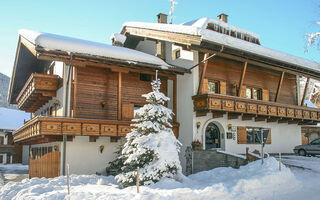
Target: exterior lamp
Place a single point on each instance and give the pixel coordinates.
(101, 148)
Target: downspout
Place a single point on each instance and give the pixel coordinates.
(66, 114)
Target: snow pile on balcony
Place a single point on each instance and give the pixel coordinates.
(50, 41)
(252, 181)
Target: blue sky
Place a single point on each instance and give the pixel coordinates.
(281, 25)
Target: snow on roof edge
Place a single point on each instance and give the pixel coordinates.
(212, 36)
(73, 45)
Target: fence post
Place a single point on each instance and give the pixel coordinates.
(137, 179)
(280, 161)
(68, 181)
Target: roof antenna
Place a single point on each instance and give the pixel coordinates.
(173, 3)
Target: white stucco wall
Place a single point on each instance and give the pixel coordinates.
(284, 137)
(84, 157)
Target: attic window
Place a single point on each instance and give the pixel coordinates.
(145, 77)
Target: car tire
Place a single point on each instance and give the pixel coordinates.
(302, 152)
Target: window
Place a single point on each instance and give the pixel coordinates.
(145, 77)
(254, 134)
(1, 140)
(315, 142)
(254, 93)
(213, 86)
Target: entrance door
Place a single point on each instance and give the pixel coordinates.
(212, 136)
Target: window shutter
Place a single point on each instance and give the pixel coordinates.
(243, 91)
(204, 86)
(242, 135)
(265, 95)
(269, 137)
(127, 111)
(223, 87)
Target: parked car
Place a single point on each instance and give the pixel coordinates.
(313, 148)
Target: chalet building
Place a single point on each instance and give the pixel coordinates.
(235, 87)
(6, 147)
(225, 88)
(82, 96)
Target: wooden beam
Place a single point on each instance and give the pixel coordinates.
(280, 121)
(203, 73)
(293, 121)
(175, 99)
(201, 114)
(233, 115)
(119, 95)
(279, 87)
(217, 114)
(260, 118)
(246, 117)
(272, 119)
(305, 91)
(243, 73)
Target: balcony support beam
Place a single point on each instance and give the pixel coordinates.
(246, 117)
(305, 91)
(217, 114)
(260, 118)
(243, 73)
(203, 73)
(119, 95)
(272, 119)
(232, 115)
(279, 87)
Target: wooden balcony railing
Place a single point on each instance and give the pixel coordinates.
(38, 90)
(57, 126)
(249, 108)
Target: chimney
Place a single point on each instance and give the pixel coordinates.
(223, 17)
(162, 18)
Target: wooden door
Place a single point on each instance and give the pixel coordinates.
(47, 166)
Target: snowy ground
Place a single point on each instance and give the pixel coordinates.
(13, 172)
(249, 182)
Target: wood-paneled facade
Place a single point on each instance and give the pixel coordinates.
(277, 98)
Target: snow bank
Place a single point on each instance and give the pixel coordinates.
(252, 181)
(73, 45)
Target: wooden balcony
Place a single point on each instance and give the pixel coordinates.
(259, 110)
(37, 91)
(48, 129)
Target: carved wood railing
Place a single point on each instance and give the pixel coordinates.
(230, 104)
(55, 126)
(38, 90)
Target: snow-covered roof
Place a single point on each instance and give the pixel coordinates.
(50, 41)
(198, 28)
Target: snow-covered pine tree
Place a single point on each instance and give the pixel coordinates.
(151, 145)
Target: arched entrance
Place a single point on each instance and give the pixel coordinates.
(212, 136)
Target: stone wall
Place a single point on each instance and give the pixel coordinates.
(204, 160)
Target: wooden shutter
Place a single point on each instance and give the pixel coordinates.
(223, 87)
(242, 134)
(269, 137)
(243, 91)
(265, 95)
(204, 86)
(127, 111)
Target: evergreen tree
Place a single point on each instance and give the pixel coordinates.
(151, 145)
